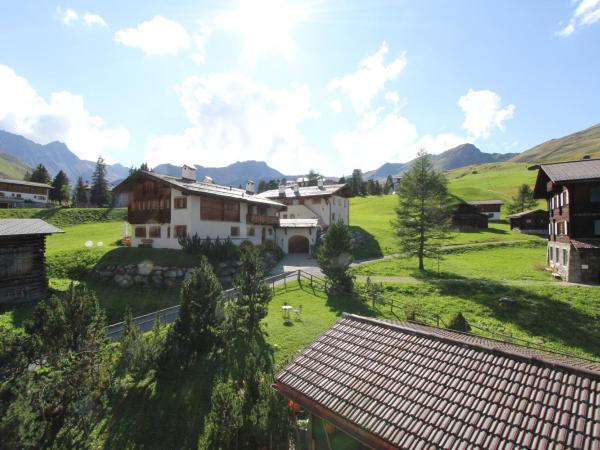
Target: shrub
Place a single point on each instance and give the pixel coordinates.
(74, 264)
(246, 246)
(139, 352)
(216, 251)
(334, 256)
(459, 323)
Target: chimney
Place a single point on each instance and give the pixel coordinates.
(586, 157)
(188, 173)
(250, 187)
(282, 190)
(320, 182)
(208, 180)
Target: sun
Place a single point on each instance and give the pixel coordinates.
(267, 25)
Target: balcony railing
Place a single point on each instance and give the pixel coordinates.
(147, 216)
(257, 219)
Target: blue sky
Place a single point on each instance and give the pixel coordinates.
(327, 85)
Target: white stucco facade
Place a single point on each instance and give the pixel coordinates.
(325, 209)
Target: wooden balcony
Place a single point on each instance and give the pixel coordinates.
(257, 219)
(149, 216)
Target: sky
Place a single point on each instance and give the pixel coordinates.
(323, 85)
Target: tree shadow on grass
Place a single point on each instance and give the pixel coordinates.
(551, 316)
(365, 244)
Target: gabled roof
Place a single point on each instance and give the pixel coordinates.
(25, 183)
(526, 213)
(198, 188)
(486, 202)
(22, 227)
(305, 191)
(401, 385)
(583, 169)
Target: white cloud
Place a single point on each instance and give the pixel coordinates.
(233, 119)
(93, 19)
(63, 118)
(484, 112)
(587, 12)
(158, 36)
(199, 41)
(370, 78)
(336, 106)
(67, 16)
(392, 97)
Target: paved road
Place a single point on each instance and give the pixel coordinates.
(297, 261)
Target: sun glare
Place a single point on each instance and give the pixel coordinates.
(267, 25)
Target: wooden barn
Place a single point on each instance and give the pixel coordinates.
(534, 221)
(22, 259)
(466, 215)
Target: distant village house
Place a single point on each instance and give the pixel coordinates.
(534, 221)
(491, 208)
(23, 194)
(572, 192)
(466, 215)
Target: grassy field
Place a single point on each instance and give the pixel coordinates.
(371, 217)
(65, 217)
(502, 263)
(493, 181)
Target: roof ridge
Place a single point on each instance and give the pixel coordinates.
(566, 162)
(398, 325)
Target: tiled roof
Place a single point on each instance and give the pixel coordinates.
(304, 191)
(586, 243)
(25, 183)
(400, 385)
(486, 202)
(20, 227)
(197, 187)
(584, 169)
(298, 223)
(525, 213)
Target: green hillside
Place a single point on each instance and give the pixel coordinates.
(567, 148)
(11, 167)
(489, 181)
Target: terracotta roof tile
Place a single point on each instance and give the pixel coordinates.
(415, 386)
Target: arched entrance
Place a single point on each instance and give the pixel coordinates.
(298, 244)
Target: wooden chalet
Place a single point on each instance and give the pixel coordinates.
(22, 259)
(572, 192)
(534, 221)
(491, 208)
(380, 384)
(466, 215)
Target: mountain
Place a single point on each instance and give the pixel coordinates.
(54, 156)
(460, 156)
(11, 167)
(233, 175)
(567, 148)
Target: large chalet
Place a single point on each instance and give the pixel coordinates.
(572, 191)
(18, 193)
(162, 208)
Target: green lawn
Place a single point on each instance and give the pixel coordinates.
(370, 217)
(502, 263)
(75, 237)
(64, 217)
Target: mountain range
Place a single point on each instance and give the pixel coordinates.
(18, 155)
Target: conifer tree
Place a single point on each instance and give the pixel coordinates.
(423, 214)
(60, 191)
(100, 194)
(40, 175)
(334, 256)
(522, 201)
(356, 183)
(79, 198)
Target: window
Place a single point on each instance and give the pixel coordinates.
(316, 201)
(235, 231)
(251, 231)
(595, 194)
(180, 231)
(168, 232)
(565, 257)
(154, 231)
(566, 196)
(285, 216)
(231, 210)
(180, 202)
(333, 217)
(140, 232)
(597, 227)
(270, 231)
(215, 208)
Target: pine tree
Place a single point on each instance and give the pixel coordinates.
(100, 194)
(356, 183)
(198, 327)
(79, 198)
(423, 213)
(40, 175)
(60, 191)
(389, 183)
(342, 180)
(522, 201)
(313, 177)
(334, 256)
(253, 294)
